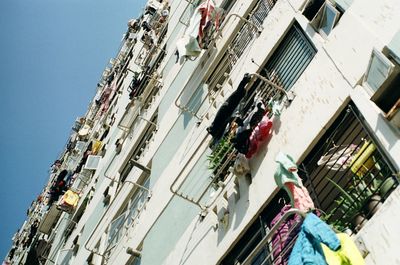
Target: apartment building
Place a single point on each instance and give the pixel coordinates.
(210, 118)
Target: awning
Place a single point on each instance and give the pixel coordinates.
(49, 220)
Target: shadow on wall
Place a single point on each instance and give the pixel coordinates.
(189, 248)
(382, 126)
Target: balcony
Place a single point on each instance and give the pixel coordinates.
(246, 30)
(128, 219)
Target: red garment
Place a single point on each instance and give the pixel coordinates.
(301, 197)
(107, 96)
(208, 14)
(259, 134)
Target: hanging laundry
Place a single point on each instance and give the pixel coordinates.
(363, 161)
(256, 113)
(96, 146)
(241, 166)
(283, 236)
(188, 45)
(286, 171)
(202, 24)
(307, 249)
(225, 112)
(69, 201)
(347, 254)
(241, 141)
(259, 134)
(209, 18)
(111, 91)
(286, 177)
(338, 158)
(300, 196)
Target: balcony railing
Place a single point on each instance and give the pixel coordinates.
(250, 29)
(127, 219)
(271, 243)
(195, 188)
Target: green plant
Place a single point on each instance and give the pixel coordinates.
(218, 157)
(351, 203)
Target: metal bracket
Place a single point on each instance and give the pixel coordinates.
(289, 96)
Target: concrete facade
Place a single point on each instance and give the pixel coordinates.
(169, 229)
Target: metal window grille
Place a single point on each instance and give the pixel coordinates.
(288, 62)
(346, 171)
(241, 41)
(269, 239)
(290, 59)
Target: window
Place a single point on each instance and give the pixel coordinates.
(137, 202)
(134, 261)
(379, 69)
(140, 147)
(290, 58)
(347, 174)
(323, 16)
(188, 12)
(382, 80)
(115, 231)
(328, 19)
(312, 8)
(258, 230)
(131, 112)
(130, 212)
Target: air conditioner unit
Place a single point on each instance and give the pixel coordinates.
(131, 112)
(92, 162)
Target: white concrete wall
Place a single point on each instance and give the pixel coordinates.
(328, 83)
(322, 92)
(380, 236)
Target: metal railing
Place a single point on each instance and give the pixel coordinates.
(138, 203)
(223, 157)
(148, 193)
(175, 188)
(250, 29)
(266, 241)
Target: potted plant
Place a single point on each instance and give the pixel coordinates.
(351, 204)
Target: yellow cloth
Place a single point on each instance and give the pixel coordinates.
(70, 198)
(347, 254)
(96, 146)
(363, 160)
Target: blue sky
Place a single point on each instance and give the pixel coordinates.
(52, 56)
